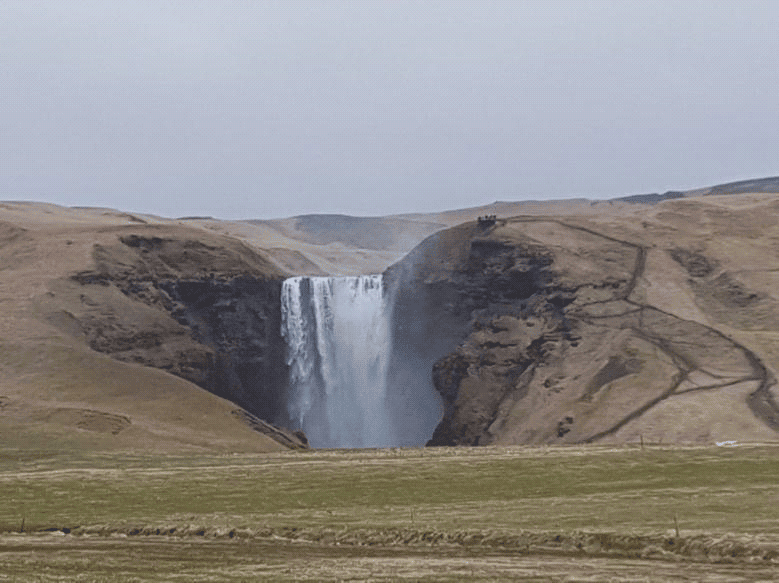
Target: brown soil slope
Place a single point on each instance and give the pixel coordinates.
(657, 323)
(63, 312)
(572, 322)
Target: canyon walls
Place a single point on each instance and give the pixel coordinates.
(239, 320)
(501, 331)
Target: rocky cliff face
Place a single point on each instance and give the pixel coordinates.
(239, 320)
(209, 313)
(653, 323)
(544, 330)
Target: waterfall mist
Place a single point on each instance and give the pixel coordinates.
(338, 332)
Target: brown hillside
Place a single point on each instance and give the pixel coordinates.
(63, 314)
(658, 323)
(571, 321)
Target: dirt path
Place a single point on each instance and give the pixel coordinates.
(761, 402)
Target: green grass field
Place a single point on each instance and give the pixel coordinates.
(449, 514)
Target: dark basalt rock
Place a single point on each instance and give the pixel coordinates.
(538, 330)
(207, 313)
(696, 264)
(439, 303)
(240, 320)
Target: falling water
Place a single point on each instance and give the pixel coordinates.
(338, 343)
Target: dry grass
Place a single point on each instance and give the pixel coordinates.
(568, 514)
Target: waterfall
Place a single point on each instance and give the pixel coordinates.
(338, 346)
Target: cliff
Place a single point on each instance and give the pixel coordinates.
(208, 312)
(574, 330)
(589, 322)
(128, 332)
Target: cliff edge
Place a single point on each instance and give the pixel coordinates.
(136, 333)
(658, 326)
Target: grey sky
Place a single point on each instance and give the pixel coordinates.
(252, 109)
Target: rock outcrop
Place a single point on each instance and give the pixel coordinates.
(209, 313)
(554, 330)
(589, 322)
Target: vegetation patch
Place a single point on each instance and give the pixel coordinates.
(624, 509)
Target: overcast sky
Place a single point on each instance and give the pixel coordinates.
(261, 109)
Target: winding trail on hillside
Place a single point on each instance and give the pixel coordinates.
(760, 402)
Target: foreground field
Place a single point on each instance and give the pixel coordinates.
(525, 514)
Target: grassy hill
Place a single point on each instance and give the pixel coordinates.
(56, 392)
(76, 342)
(635, 322)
